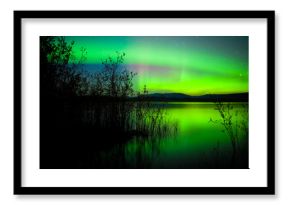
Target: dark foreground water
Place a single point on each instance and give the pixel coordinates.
(194, 137)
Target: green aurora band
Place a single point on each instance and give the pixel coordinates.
(193, 65)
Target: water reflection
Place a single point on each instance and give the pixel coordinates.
(154, 135)
(197, 143)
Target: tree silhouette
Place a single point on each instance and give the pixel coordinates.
(62, 73)
(60, 70)
(114, 79)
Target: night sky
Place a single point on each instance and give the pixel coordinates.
(193, 65)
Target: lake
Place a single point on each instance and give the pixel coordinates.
(200, 141)
(171, 135)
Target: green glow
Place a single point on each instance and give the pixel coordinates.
(197, 138)
(190, 65)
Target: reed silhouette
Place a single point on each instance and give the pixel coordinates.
(235, 125)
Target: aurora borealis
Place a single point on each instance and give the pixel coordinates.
(193, 65)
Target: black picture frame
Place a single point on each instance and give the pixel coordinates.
(18, 163)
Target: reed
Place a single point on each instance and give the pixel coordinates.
(234, 124)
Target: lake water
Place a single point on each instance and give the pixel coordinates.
(174, 135)
(199, 141)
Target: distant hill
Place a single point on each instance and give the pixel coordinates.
(169, 95)
(235, 97)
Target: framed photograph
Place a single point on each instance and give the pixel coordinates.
(144, 102)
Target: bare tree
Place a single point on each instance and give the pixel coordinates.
(60, 70)
(114, 80)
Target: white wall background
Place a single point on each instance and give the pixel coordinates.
(282, 98)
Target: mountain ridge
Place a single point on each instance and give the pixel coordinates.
(232, 97)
